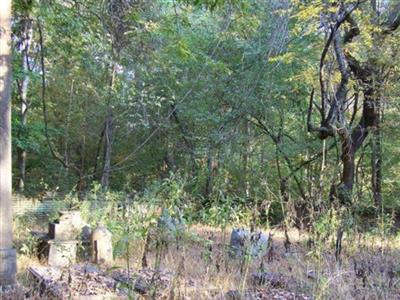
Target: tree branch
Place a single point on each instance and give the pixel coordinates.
(43, 96)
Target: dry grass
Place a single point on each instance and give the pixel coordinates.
(370, 267)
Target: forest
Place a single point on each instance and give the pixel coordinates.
(199, 149)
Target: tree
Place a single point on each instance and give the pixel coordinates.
(338, 108)
(23, 45)
(215, 92)
(7, 253)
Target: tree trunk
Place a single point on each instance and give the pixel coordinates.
(376, 163)
(211, 166)
(170, 158)
(98, 151)
(186, 140)
(7, 254)
(108, 134)
(350, 144)
(23, 91)
(345, 186)
(363, 73)
(246, 154)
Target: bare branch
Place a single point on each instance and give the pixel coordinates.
(310, 127)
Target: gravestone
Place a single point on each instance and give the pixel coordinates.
(62, 235)
(243, 241)
(101, 246)
(170, 226)
(68, 226)
(62, 253)
(170, 229)
(8, 266)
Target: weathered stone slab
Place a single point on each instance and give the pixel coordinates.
(68, 227)
(62, 231)
(8, 266)
(169, 223)
(243, 241)
(101, 246)
(170, 229)
(62, 253)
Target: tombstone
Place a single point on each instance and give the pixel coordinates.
(165, 221)
(62, 239)
(101, 246)
(239, 239)
(170, 228)
(68, 226)
(243, 241)
(85, 237)
(259, 243)
(62, 253)
(86, 234)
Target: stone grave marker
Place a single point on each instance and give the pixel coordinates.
(243, 241)
(101, 246)
(62, 235)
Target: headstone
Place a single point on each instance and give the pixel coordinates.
(259, 243)
(85, 236)
(62, 253)
(8, 266)
(62, 235)
(239, 239)
(243, 241)
(169, 223)
(101, 246)
(67, 227)
(170, 226)
(165, 220)
(86, 233)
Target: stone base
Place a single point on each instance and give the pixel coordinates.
(62, 253)
(8, 266)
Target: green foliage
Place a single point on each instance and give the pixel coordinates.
(30, 246)
(326, 225)
(127, 219)
(209, 106)
(225, 211)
